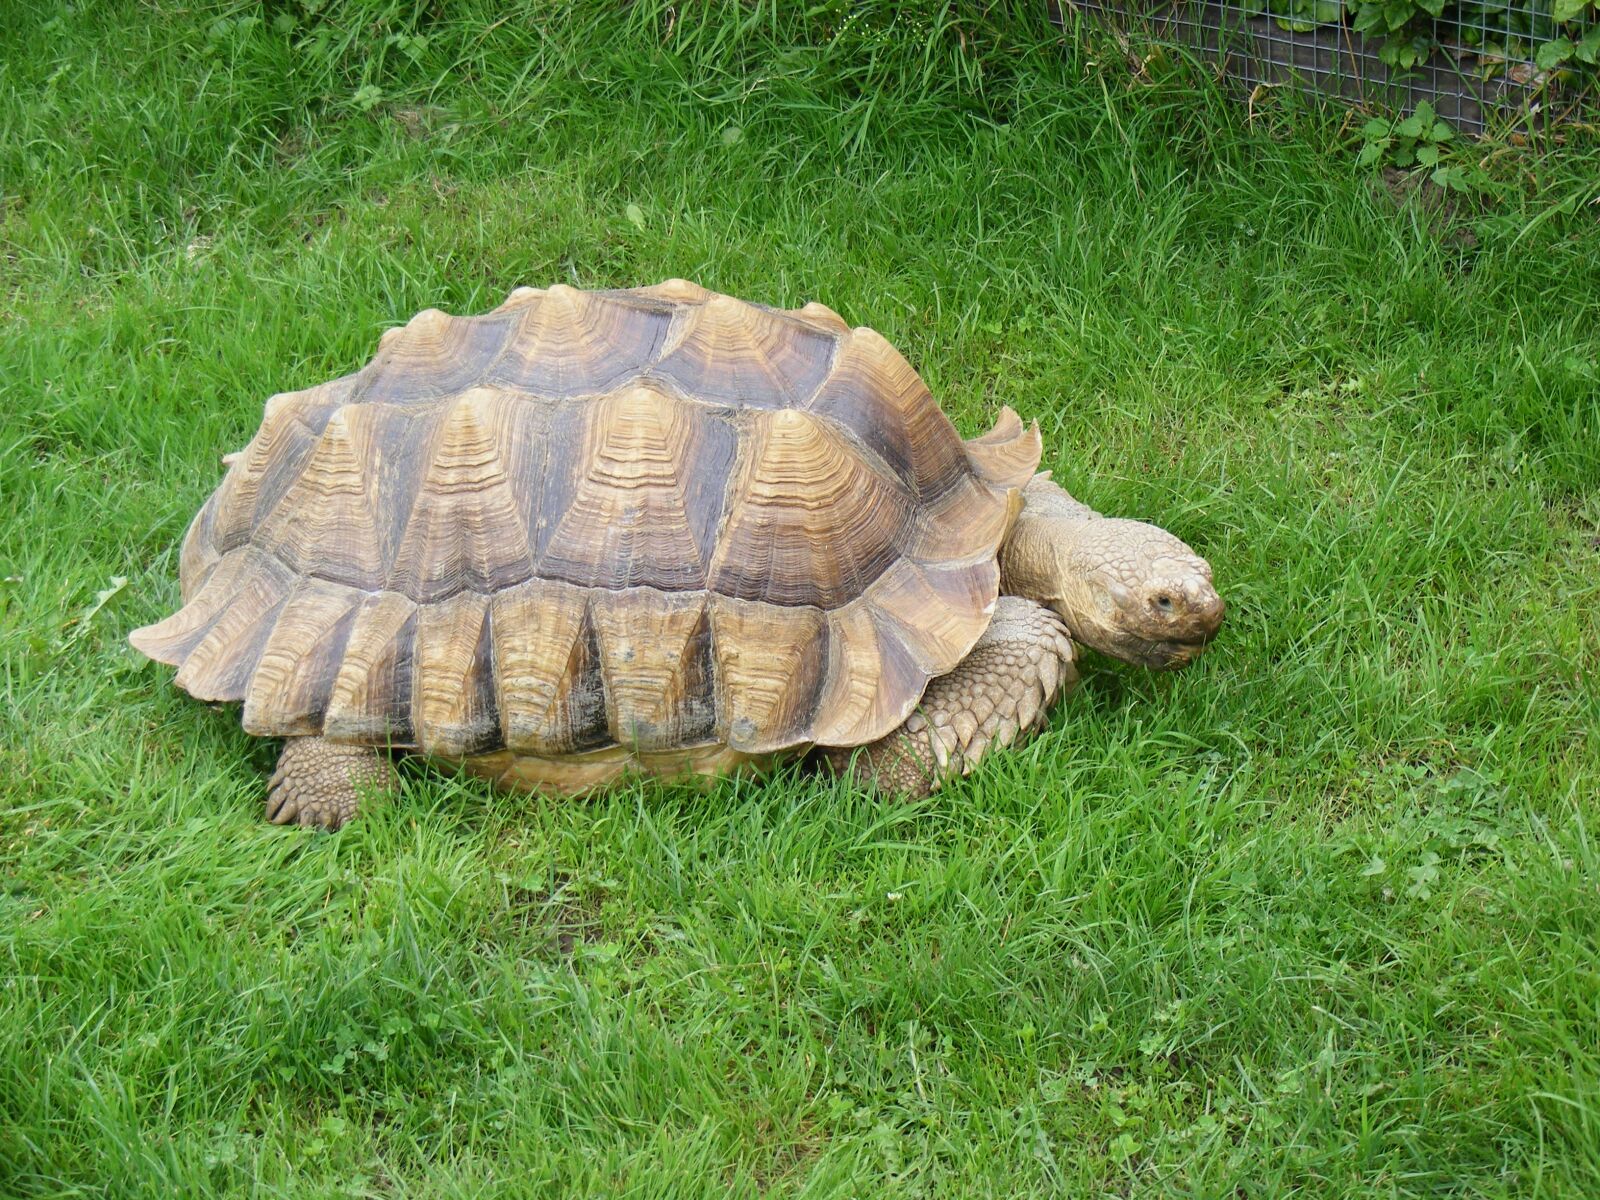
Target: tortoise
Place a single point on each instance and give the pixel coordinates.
(657, 530)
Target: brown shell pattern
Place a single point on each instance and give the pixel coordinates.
(653, 519)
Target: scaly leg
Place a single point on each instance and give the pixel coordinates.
(321, 783)
(1003, 688)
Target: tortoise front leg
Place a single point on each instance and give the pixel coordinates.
(322, 783)
(1001, 690)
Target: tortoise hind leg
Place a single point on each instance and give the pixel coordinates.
(1001, 690)
(322, 783)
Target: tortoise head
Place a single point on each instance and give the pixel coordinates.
(1136, 592)
(1125, 588)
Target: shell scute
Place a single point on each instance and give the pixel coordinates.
(465, 525)
(292, 683)
(636, 497)
(327, 524)
(221, 661)
(572, 343)
(199, 555)
(258, 480)
(813, 524)
(234, 579)
(818, 316)
(434, 355)
(454, 712)
(1008, 455)
(771, 662)
(739, 354)
(936, 613)
(872, 680)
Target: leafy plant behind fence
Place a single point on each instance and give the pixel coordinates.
(1560, 36)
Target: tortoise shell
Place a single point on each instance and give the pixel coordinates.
(652, 520)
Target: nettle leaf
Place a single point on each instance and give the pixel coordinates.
(1570, 10)
(1428, 156)
(1411, 127)
(1553, 54)
(1405, 156)
(1399, 14)
(1368, 18)
(1371, 153)
(1589, 48)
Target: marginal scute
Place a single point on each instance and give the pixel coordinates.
(232, 580)
(659, 680)
(771, 663)
(549, 689)
(221, 662)
(1008, 455)
(937, 613)
(872, 680)
(290, 688)
(199, 556)
(371, 697)
(657, 526)
(454, 710)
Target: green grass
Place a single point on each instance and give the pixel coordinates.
(1320, 916)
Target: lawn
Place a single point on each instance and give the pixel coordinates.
(1319, 916)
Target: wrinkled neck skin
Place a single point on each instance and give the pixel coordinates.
(1125, 588)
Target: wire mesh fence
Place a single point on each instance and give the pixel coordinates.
(1479, 64)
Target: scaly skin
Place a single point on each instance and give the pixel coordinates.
(999, 693)
(321, 783)
(1124, 588)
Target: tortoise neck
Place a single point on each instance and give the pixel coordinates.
(1031, 557)
(1044, 497)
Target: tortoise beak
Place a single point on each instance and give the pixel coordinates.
(1202, 614)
